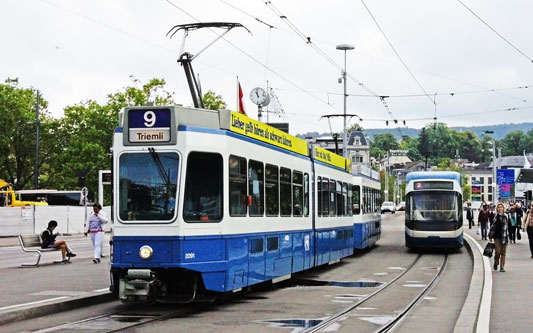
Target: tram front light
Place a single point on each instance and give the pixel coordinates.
(146, 252)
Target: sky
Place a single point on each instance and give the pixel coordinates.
(457, 68)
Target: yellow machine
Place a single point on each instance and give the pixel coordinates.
(8, 197)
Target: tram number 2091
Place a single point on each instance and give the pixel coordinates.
(190, 255)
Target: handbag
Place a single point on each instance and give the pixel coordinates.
(478, 232)
(489, 249)
(518, 236)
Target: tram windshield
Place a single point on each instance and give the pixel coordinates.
(434, 206)
(147, 186)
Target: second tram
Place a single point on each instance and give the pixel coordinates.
(433, 213)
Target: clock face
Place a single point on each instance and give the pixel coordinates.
(259, 96)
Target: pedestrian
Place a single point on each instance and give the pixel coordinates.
(94, 226)
(470, 216)
(483, 220)
(527, 225)
(48, 238)
(519, 216)
(499, 232)
(513, 224)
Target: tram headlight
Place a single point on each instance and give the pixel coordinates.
(146, 252)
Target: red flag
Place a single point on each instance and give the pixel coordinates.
(241, 104)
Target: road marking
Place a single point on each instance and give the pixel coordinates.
(32, 303)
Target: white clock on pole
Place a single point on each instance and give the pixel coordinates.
(259, 96)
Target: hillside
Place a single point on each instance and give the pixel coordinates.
(499, 130)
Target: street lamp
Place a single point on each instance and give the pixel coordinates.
(494, 182)
(344, 47)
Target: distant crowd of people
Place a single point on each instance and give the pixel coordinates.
(502, 224)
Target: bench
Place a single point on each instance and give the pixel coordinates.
(32, 243)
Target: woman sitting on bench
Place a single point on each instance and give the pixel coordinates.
(49, 241)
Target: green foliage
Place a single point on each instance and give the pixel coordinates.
(18, 133)
(213, 101)
(382, 143)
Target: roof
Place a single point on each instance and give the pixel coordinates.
(513, 161)
(452, 175)
(353, 135)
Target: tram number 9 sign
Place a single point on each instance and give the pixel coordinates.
(149, 125)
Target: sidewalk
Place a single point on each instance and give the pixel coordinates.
(512, 298)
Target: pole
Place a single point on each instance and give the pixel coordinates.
(344, 136)
(37, 126)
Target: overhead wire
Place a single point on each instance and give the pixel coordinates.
(308, 40)
(254, 59)
(496, 32)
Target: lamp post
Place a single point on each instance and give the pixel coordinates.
(344, 47)
(494, 174)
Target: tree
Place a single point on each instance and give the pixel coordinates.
(213, 101)
(382, 143)
(354, 127)
(514, 143)
(446, 165)
(85, 134)
(18, 134)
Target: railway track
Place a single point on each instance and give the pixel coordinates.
(390, 287)
(124, 320)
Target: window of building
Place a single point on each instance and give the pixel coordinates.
(272, 190)
(297, 193)
(256, 188)
(490, 197)
(490, 189)
(490, 180)
(482, 180)
(285, 191)
(203, 188)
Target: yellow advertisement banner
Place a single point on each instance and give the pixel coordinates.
(328, 157)
(254, 129)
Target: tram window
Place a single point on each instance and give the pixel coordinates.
(340, 203)
(297, 193)
(325, 197)
(285, 191)
(271, 190)
(332, 198)
(306, 194)
(147, 186)
(356, 202)
(345, 199)
(319, 190)
(350, 198)
(256, 187)
(237, 186)
(203, 188)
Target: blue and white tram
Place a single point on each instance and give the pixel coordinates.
(208, 202)
(433, 211)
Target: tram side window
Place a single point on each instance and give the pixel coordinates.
(340, 211)
(297, 193)
(271, 190)
(356, 199)
(325, 197)
(350, 198)
(332, 198)
(203, 188)
(345, 199)
(319, 191)
(285, 191)
(256, 187)
(306, 194)
(237, 186)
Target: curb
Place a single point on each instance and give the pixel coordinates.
(475, 315)
(53, 306)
